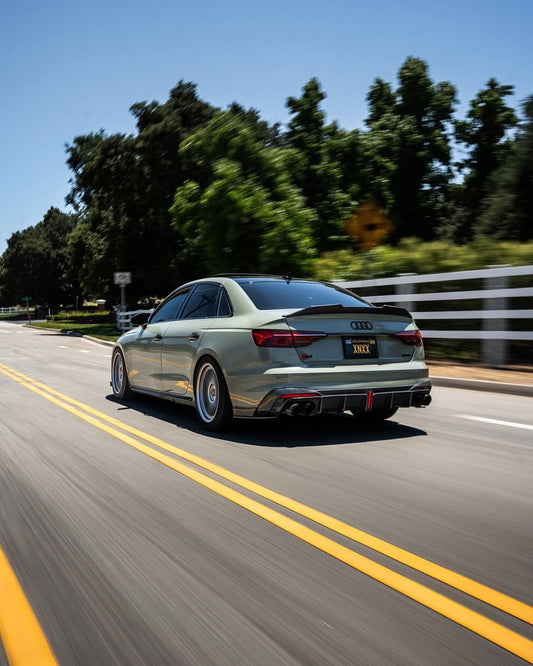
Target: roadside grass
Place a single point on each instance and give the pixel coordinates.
(102, 331)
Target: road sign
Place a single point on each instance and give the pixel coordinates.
(369, 226)
(122, 278)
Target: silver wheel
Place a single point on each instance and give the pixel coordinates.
(119, 376)
(207, 392)
(211, 395)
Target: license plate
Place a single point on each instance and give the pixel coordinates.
(360, 347)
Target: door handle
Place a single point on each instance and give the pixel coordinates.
(158, 337)
(194, 336)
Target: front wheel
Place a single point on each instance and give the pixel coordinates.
(119, 377)
(211, 396)
(376, 415)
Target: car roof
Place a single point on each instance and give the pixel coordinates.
(259, 277)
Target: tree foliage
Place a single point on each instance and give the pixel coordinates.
(408, 148)
(484, 133)
(196, 190)
(318, 175)
(239, 211)
(124, 186)
(507, 208)
(35, 263)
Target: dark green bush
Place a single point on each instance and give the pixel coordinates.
(83, 317)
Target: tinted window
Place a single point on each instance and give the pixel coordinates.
(169, 309)
(202, 303)
(224, 306)
(273, 295)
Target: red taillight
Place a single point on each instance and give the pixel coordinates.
(412, 338)
(264, 337)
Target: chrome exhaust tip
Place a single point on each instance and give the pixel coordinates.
(298, 408)
(422, 400)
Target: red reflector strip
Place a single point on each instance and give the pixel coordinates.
(369, 401)
(291, 396)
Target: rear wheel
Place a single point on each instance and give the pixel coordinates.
(119, 377)
(213, 404)
(376, 415)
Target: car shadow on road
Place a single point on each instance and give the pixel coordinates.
(285, 432)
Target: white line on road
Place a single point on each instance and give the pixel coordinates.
(511, 424)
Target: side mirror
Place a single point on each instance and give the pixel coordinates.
(140, 318)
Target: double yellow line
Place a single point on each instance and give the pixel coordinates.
(475, 622)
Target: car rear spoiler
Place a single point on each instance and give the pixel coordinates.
(340, 309)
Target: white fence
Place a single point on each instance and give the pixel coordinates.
(501, 303)
(124, 318)
(8, 310)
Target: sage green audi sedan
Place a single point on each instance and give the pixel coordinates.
(246, 346)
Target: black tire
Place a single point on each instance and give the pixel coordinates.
(211, 396)
(119, 377)
(376, 415)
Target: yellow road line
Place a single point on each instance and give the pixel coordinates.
(475, 622)
(22, 637)
(471, 587)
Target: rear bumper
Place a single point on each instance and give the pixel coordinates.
(301, 401)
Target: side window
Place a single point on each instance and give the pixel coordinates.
(202, 302)
(224, 306)
(169, 311)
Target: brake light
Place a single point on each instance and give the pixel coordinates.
(412, 338)
(264, 337)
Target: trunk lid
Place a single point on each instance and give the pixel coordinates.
(355, 335)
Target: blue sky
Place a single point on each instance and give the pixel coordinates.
(70, 68)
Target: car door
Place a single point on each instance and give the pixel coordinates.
(182, 337)
(145, 352)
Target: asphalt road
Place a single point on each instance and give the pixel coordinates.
(131, 551)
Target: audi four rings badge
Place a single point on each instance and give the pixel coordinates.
(361, 325)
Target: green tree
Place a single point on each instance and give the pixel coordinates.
(124, 186)
(408, 165)
(381, 101)
(319, 176)
(485, 135)
(35, 263)
(269, 135)
(239, 211)
(507, 209)
(424, 157)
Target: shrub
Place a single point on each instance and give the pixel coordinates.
(413, 256)
(83, 317)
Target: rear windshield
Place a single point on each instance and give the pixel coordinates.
(278, 294)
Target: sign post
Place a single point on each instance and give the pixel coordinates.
(27, 299)
(122, 279)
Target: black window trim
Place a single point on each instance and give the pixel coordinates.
(169, 298)
(223, 290)
(191, 288)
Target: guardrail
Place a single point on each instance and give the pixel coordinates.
(496, 293)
